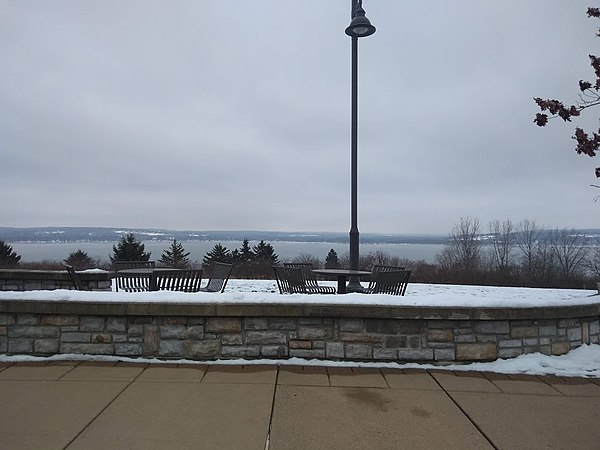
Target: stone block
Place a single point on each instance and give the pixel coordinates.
(173, 331)
(387, 354)
(265, 337)
(59, 321)
(298, 353)
(476, 352)
(568, 323)
(281, 323)
(3, 331)
(28, 319)
(509, 352)
(87, 349)
(440, 335)
(150, 340)
(396, 342)
(48, 346)
(444, 354)
(103, 338)
(116, 324)
(255, 323)
(7, 319)
(334, 350)
(315, 332)
(305, 345)
(224, 324)
(358, 351)
(318, 344)
(239, 351)
(274, 351)
(171, 348)
(492, 327)
(560, 348)
(201, 350)
(192, 321)
(232, 339)
(351, 324)
(523, 332)
(361, 337)
(543, 349)
(547, 330)
(33, 331)
(414, 342)
(309, 321)
(465, 338)
(421, 354)
(574, 334)
(585, 333)
(3, 344)
(594, 327)
(135, 330)
(530, 342)
(195, 332)
(175, 321)
(20, 345)
(119, 337)
(91, 323)
(76, 337)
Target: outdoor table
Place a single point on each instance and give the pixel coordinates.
(152, 271)
(342, 276)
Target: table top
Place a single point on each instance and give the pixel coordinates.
(348, 272)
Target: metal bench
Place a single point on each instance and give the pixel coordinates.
(310, 279)
(134, 282)
(289, 280)
(187, 280)
(219, 275)
(74, 277)
(392, 282)
(381, 268)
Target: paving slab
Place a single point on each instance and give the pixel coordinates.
(303, 376)
(250, 374)
(356, 377)
(574, 387)
(532, 422)
(451, 381)
(103, 373)
(173, 374)
(306, 417)
(183, 416)
(402, 379)
(47, 415)
(26, 372)
(532, 387)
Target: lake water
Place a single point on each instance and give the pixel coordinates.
(35, 252)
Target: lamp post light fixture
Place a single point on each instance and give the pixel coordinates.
(359, 27)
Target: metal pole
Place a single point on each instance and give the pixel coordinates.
(354, 284)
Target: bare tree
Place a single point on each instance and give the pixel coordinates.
(503, 241)
(527, 239)
(307, 258)
(570, 252)
(462, 254)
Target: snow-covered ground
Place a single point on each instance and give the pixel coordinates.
(583, 361)
(265, 291)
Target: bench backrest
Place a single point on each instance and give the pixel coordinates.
(390, 282)
(218, 278)
(74, 277)
(382, 268)
(179, 280)
(123, 265)
(138, 282)
(310, 277)
(289, 280)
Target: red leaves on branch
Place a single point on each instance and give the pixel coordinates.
(586, 145)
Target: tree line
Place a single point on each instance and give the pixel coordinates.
(504, 254)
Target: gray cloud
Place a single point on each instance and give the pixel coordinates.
(236, 115)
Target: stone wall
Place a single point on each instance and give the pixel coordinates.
(35, 280)
(284, 331)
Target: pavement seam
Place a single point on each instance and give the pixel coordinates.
(487, 438)
(268, 439)
(102, 410)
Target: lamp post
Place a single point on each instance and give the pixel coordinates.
(359, 27)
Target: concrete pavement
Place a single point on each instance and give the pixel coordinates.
(92, 405)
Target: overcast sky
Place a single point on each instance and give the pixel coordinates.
(235, 115)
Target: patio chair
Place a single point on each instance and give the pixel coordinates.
(310, 279)
(219, 275)
(74, 277)
(381, 268)
(289, 280)
(187, 280)
(392, 282)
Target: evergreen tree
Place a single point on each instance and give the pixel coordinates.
(175, 257)
(129, 249)
(264, 252)
(246, 253)
(8, 257)
(332, 261)
(80, 260)
(217, 254)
